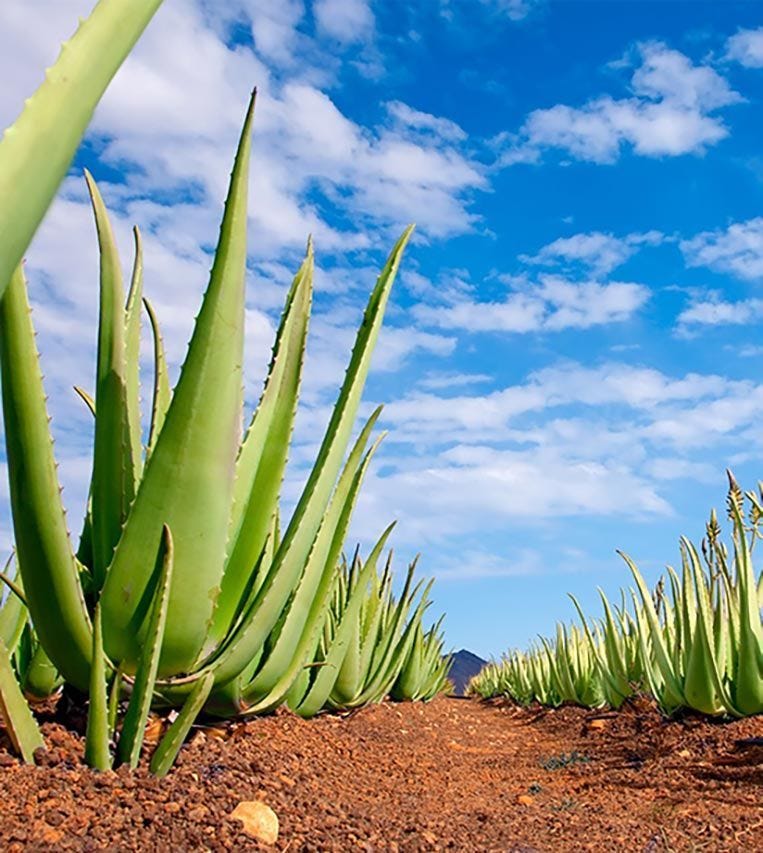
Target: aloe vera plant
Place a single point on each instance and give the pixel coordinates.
(694, 642)
(372, 644)
(38, 148)
(183, 591)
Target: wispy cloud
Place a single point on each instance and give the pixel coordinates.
(746, 47)
(712, 310)
(671, 112)
(551, 305)
(737, 249)
(347, 21)
(598, 252)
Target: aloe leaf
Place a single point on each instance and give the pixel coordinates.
(113, 478)
(614, 680)
(348, 683)
(665, 662)
(13, 611)
(749, 671)
(115, 694)
(325, 679)
(36, 151)
(166, 752)
(86, 399)
(134, 726)
(97, 754)
(132, 369)
(304, 652)
(262, 459)
(289, 561)
(306, 613)
(162, 394)
(41, 678)
(704, 688)
(47, 565)
(397, 646)
(19, 721)
(188, 480)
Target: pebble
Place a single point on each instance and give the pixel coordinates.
(259, 820)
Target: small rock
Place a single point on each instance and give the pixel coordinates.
(525, 800)
(597, 725)
(260, 821)
(51, 836)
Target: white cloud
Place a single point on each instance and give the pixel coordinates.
(414, 120)
(552, 305)
(737, 250)
(669, 114)
(443, 380)
(347, 21)
(600, 253)
(515, 10)
(712, 310)
(746, 47)
(274, 25)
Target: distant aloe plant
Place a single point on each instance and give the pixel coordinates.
(698, 645)
(372, 644)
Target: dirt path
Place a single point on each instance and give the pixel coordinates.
(453, 775)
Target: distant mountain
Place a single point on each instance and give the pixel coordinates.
(465, 666)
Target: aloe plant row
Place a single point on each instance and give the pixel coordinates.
(694, 642)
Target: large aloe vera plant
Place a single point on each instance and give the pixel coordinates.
(183, 590)
(38, 148)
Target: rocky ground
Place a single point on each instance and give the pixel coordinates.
(454, 774)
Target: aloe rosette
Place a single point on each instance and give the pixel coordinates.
(182, 590)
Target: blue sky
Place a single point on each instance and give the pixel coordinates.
(571, 359)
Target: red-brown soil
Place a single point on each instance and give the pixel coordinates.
(455, 774)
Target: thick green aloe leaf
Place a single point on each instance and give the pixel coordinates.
(165, 754)
(325, 678)
(188, 480)
(19, 720)
(262, 459)
(290, 559)
(13, 611)
(748, 697)
(381, 681)
(47, 565)
(134, 725)
(113, 475)
(97, 754)
(162, 394)
(298, 639)
(36, 151)
(41, 678)
(133, 310)
(665, 663)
